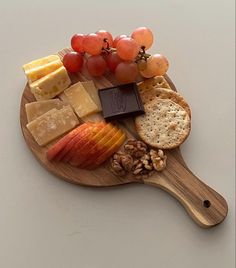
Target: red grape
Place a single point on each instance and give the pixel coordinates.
(112, 61)
(73, 61)
(93, 44)
(147, 73)
(127, 48)
(76, 42)
(157, 64)
(142, 64)
(126, 72)
(143, 36)
(105, 35)
(117, 39)
(96, 65)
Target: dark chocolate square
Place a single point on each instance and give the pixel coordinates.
(120, 101)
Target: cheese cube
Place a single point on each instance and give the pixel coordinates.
(80, 100)
(37, 108)
(95, 117)
(93, 92)
(52, 124)
(37, 69)
(51, 85)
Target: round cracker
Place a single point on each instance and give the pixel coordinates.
(163, 93)
(164, 125)
(155, 82)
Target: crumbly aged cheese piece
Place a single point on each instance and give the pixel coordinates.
(37, 108)
(51, 85)
(93, 92)
(80, 100)
(37, 69)
(52, 124)
(63, 97)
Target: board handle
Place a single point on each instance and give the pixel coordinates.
(204, 205)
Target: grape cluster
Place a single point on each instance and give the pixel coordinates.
(124, 56)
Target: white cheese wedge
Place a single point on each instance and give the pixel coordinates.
(37, 69)
(95, 117)
(51, 85)
(80, 100)
(37, 108)
(93, 92)
(52, 124)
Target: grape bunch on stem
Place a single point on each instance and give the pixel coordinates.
(124, 56)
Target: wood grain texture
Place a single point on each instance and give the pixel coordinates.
(204, 205)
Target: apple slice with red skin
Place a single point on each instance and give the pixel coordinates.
(71, 143)
(107, 154)
(109, 149)
(90, 141)
(84, 151)
(81, 139)
(98, 148)
(58, 146)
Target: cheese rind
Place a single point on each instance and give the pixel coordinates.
(51, 85)
(37, 108)
(36, 69)
(93, 92)
(80, 100)
(52, 124)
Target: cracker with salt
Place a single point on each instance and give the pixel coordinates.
(155, 82)
(165, 124)
(163, 93)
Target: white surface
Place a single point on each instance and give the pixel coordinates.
(46, 222)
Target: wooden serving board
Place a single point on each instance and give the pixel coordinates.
(204, 205)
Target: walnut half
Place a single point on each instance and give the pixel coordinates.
(121, 163)
(138, 160)
(142, 167)
(158, 159)
(135, 148)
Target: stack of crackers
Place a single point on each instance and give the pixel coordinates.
(167, 119)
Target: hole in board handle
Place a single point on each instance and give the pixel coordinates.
(206, 203)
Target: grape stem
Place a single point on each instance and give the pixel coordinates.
(108, 50)
(143, 49)
(142, 55)
(105, 40)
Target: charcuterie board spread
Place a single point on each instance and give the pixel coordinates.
(105, 113)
